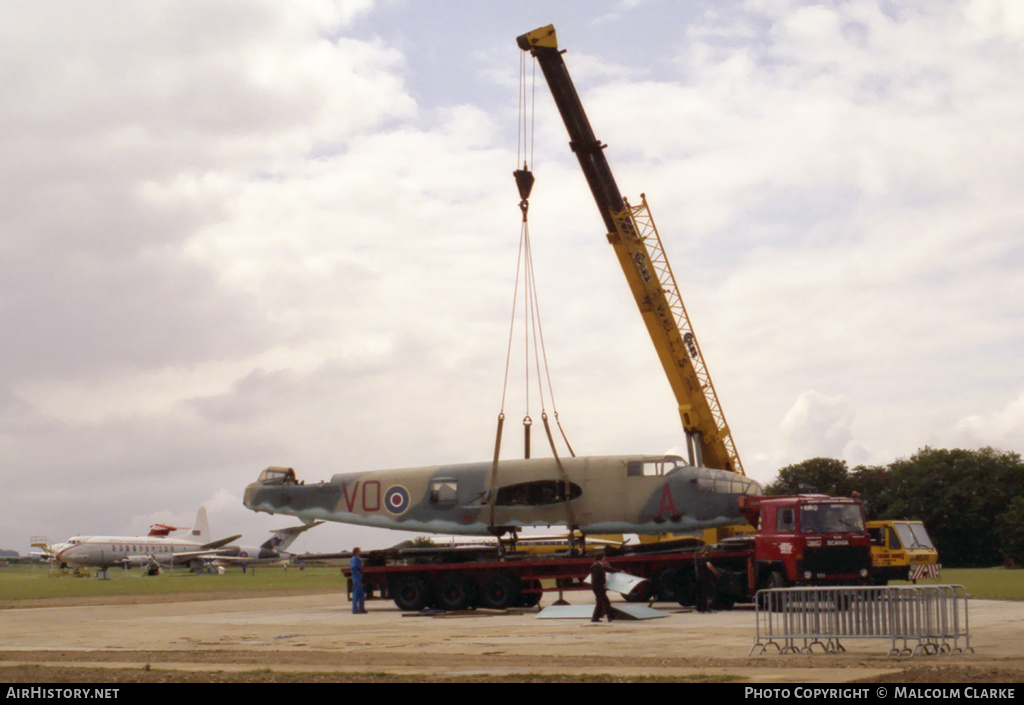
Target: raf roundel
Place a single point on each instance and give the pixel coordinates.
(396, 499)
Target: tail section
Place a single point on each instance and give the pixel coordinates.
(201, 531)
(283, 538)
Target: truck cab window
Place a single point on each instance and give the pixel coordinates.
(784, 520)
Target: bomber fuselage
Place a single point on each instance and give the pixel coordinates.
(607, 494)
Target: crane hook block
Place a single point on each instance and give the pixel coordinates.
(524, 180)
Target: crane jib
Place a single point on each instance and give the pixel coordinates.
(638, 246)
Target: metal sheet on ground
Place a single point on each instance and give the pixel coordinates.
(627, 611)
(622, 583)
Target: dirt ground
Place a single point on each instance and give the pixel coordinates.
(315, 637)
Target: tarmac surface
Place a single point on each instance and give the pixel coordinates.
(251, 636)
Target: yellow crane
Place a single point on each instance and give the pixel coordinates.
(633, 235)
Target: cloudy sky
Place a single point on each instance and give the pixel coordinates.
(241, 234)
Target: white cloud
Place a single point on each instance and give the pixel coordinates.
(819, 426)
(286, 235)
(1003, 429)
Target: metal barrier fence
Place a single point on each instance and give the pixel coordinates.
(927, 619)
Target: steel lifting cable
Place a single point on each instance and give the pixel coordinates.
(524, 131)
(524, 180)
(524, 267)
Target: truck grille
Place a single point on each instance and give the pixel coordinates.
(837, 559)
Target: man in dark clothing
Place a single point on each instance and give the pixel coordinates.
(598, 574)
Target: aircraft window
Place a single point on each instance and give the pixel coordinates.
(536, 494)
(664, 466)
(750, 487)
(658, 467)
(705, 480)
(444, 492)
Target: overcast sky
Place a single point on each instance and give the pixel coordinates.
(241, 234)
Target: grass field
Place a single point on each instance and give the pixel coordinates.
(20, 582)
(983, 583)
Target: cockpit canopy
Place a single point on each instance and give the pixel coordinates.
(724, 482)
(655, 467)
(278, 476)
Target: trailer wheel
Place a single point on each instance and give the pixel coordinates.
(641, 593)
(411, 594)
(665, 585)
(531, 599)
(455, 593)
(499, 592)
(684, 587)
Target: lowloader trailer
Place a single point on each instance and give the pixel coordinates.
(796, 540)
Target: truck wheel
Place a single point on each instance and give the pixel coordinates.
(769, 602)
(722, 602)
(776, 580)
(455, 593)
(685, 589)
(499, 592)
(411, 594)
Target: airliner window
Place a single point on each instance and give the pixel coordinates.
(444, 492)
(536, 494)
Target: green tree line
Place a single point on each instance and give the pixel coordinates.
(971, 501)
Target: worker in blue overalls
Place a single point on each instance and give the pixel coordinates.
(358, 596)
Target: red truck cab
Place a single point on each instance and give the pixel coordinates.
(808, 540)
